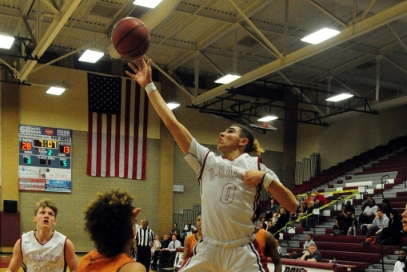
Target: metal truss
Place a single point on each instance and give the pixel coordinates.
(7, 75)
(246, 104)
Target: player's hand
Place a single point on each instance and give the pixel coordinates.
(253, 177)
(142, 74)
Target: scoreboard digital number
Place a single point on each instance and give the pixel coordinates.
(45, 156)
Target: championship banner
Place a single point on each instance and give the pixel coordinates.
(44, 159)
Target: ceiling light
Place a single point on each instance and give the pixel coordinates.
(320, 35)
(173, 105)
(91, 56)
(267, 118)
(227, 79)
(56, 90)
(147, 3)
(6, 41)
(339, 97)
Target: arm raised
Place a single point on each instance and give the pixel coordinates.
(142, 74)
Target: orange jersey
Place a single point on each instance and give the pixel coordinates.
(94, 261)
(261, 240)
(192, 243)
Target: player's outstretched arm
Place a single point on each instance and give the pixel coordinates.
(71, 259)
(17, 259)
(271, 250)
(142, 74)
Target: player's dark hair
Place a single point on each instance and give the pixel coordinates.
(109, 222)
(253, 145)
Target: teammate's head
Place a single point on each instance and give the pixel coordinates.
(46, 202)
(109, 220)
(45, 214)
(239, 138)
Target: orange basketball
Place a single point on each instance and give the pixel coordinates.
(130, 38)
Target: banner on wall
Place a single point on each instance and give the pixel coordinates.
(44, 159)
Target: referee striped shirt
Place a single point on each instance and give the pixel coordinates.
(144, 237)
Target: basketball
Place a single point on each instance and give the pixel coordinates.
(130, 38)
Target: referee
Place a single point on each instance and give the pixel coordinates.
(144, 240)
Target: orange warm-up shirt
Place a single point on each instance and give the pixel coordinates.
(96, 262)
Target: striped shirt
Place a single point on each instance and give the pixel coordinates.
(144, 237)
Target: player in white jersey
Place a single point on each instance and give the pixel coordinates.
(44, 249)
(230, 186)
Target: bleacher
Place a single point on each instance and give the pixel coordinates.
(367, 170)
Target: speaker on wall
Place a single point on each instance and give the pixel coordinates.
(10, 206)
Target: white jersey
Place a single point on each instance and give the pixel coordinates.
(49, 257)
(228, 204)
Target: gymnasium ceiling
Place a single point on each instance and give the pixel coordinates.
(258, 39)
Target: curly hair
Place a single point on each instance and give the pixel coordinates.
(109, 222)
(46, 202)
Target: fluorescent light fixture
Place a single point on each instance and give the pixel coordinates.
(147, 3)
(173, 105)
(6, 41)
(267, 118)
(56, 90)
(339, 97)
(320, 35)
(227, 79)
(91, 56)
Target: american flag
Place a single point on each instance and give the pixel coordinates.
(117, 138)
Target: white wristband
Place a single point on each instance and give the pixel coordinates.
(267, 179)
(150, 87)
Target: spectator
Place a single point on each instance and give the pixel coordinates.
(269, 226)
(349, 207)
(175, 231)
(401, 261)
(313, 255)
(308, 222)
(353, 225)
(342, 222)
(275, 218)
(306, 246)
(170, 252)
(110, 221)
(368, 213)
(386, 207)
(43, 241)
(164, 244)
(381, 221)
(368, 198)
(279, 248)
(393, 233)
(191, 241)
(319, 200)
(262, 226)
(271, 209)
(309, 197)
(281, 222)
(189, 228)
(156, 244)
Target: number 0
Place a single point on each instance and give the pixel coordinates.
(228, 193)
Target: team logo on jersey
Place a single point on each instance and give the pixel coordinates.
(229, 171)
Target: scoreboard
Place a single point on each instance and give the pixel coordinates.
(44, 159)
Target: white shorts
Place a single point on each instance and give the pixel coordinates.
(207, 257)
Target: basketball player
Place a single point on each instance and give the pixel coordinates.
(268, 246)
(110, 221)
(191, 241)
(44, 249)
(230, 186)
